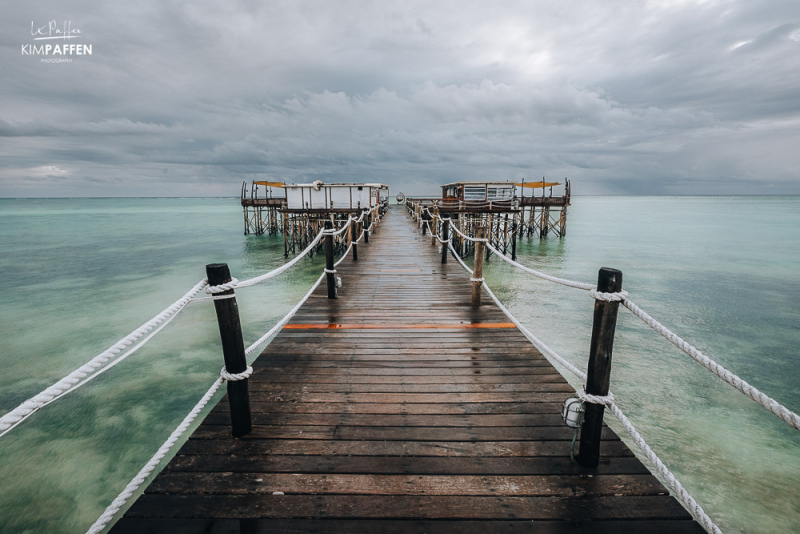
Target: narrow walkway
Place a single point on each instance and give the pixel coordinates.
(398, 408)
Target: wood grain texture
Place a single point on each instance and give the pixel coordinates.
(383, 426)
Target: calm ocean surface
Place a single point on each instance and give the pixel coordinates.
(79, 274)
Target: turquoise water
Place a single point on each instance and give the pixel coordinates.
(78, 274)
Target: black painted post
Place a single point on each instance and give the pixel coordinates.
(230, 333)
(445, 237)
(367, 219)
(329, 261)
(599, 371)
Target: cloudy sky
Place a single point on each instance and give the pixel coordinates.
(192, 98)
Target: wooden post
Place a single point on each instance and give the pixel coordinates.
(356, 235)
(329, 261)
(434, 225)
(424, 226)
(599, 371)
(367, 219)
(477, 267)
(514, 241)
(230, 333)
(445, 237)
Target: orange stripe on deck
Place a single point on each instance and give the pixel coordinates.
(373, 326)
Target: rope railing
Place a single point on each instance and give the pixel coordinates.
(608, 400)
(78, 377)
(139, 337)
(119, 502)
(741, 385)
(161, 453)
(237, 284)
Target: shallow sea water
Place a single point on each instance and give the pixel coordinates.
(78, 274)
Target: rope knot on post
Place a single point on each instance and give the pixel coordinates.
(605, 400)
(330, 271)
(481, 279)
(608, 297)
(221, 288)
(235, 377)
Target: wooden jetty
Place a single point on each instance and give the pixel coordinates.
(400, 407)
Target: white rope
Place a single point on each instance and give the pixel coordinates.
(150, 466)
(235, 377)
(481, 279)
(550, 354)
(330, 271)
(234, 283)
(340, 230)
(212, 297)
(741, 385)
(252, 281)
(666, 475)
(274, 330)
(346, 252)
(605, 400)
(764, 400)
(77, 378)
(468, 238)
(608, 297)
(557, 280)
(608, 400)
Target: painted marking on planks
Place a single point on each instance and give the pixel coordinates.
(393, 326)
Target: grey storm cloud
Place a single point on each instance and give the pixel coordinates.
(658, 97)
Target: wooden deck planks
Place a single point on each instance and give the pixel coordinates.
(398, 407)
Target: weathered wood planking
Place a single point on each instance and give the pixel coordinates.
(400, 428)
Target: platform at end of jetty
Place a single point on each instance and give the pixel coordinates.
(399, 407)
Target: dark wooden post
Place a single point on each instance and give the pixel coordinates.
(367, 219)
(514, 241)
(356, 235)
(599, 371)
(477, 268)
(329, 261)
(445, 237)
(424, 226)
(230, 333)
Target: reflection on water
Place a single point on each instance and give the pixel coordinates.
(80, 274)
